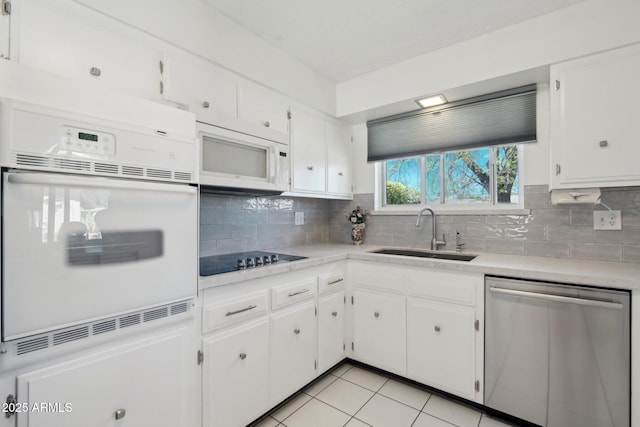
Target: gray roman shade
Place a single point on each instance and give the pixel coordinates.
(494, 119)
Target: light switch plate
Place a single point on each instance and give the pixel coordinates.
(299, 218)
(607, 220)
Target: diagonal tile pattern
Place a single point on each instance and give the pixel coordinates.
(351, 396)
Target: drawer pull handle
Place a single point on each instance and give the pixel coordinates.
(376, 314)
(336, 281)
(243, 356)
(267, 124)
(296, 331)
(436, 328)
(206, 104)
(120, 413)
(242, 310)
(293, 294)
(334, 314)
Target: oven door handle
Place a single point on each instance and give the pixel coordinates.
(557, 298)
(95, 182)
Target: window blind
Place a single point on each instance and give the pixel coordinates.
(499, 118)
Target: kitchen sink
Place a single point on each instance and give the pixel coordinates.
(425, 254)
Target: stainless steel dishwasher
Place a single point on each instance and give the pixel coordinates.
(557, 355)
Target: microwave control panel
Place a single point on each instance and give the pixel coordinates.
(75, 140)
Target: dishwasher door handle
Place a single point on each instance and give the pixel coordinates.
(557, 298)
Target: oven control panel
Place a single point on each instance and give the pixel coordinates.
(76, 140)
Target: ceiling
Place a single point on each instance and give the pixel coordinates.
(342, 39)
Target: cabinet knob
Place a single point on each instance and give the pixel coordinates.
(296, 331)
(604, 144)
(243, 356)
(95, 71)
(436, 328)
(334, 314)
(267, 124)
(205, 104)
(376, 314)
(309, 168)
(340, 174)
(120, 413)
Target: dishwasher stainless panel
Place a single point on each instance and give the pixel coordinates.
(557, 355)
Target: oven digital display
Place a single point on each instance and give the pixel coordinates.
(87, 136)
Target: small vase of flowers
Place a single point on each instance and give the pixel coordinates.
(357, 219)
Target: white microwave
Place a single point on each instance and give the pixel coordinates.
(233, 162)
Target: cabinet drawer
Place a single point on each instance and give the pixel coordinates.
(330, 282)
(291, 292)
(458, 288)
(230, 311)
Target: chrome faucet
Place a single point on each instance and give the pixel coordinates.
(434, 242)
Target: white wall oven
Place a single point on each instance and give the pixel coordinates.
(236, 162)
(99, 217)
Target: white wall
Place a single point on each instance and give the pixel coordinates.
(578, 30)
(198, 28)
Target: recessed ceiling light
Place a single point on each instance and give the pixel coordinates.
(431, 101)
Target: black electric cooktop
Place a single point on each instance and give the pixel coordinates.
(226, 263)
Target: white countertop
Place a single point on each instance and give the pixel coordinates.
(619, 275)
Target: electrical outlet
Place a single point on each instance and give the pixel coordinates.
(299, 218)
(607, 220)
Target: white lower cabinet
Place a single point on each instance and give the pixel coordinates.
(331, 338)
(140, 384)
(294, 340)
(379, 329)
(235, 387)
(441, 346)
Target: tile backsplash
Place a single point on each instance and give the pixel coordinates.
(552, 231)
(243, 223)
(236, 223)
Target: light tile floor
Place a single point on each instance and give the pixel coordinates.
(351, 396)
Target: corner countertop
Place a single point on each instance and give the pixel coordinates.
(619, 275)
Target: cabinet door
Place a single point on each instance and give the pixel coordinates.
(5, 23)
(144, 384)
(294, 338)
(441, 346)
(205, 90)
(594, 124)
(73, 44)
(309, 152)
(379, 330)
(330, 330)
(235, 375)
(266, 112)
(338, 159)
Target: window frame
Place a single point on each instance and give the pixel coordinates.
(380, 208)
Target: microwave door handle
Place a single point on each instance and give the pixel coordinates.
(95, 182)
(274, 164)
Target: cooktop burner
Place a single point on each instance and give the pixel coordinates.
(226, 263)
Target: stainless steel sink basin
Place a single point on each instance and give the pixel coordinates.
(425, 254)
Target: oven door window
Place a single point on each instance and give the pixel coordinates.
(77, 249)
(234, 158)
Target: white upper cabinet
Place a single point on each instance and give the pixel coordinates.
(72, 43)
(201, 88)
(5, 25)
(594, 120)
(321, 161)
(309, 152)
(339, 159)
(263, 112)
